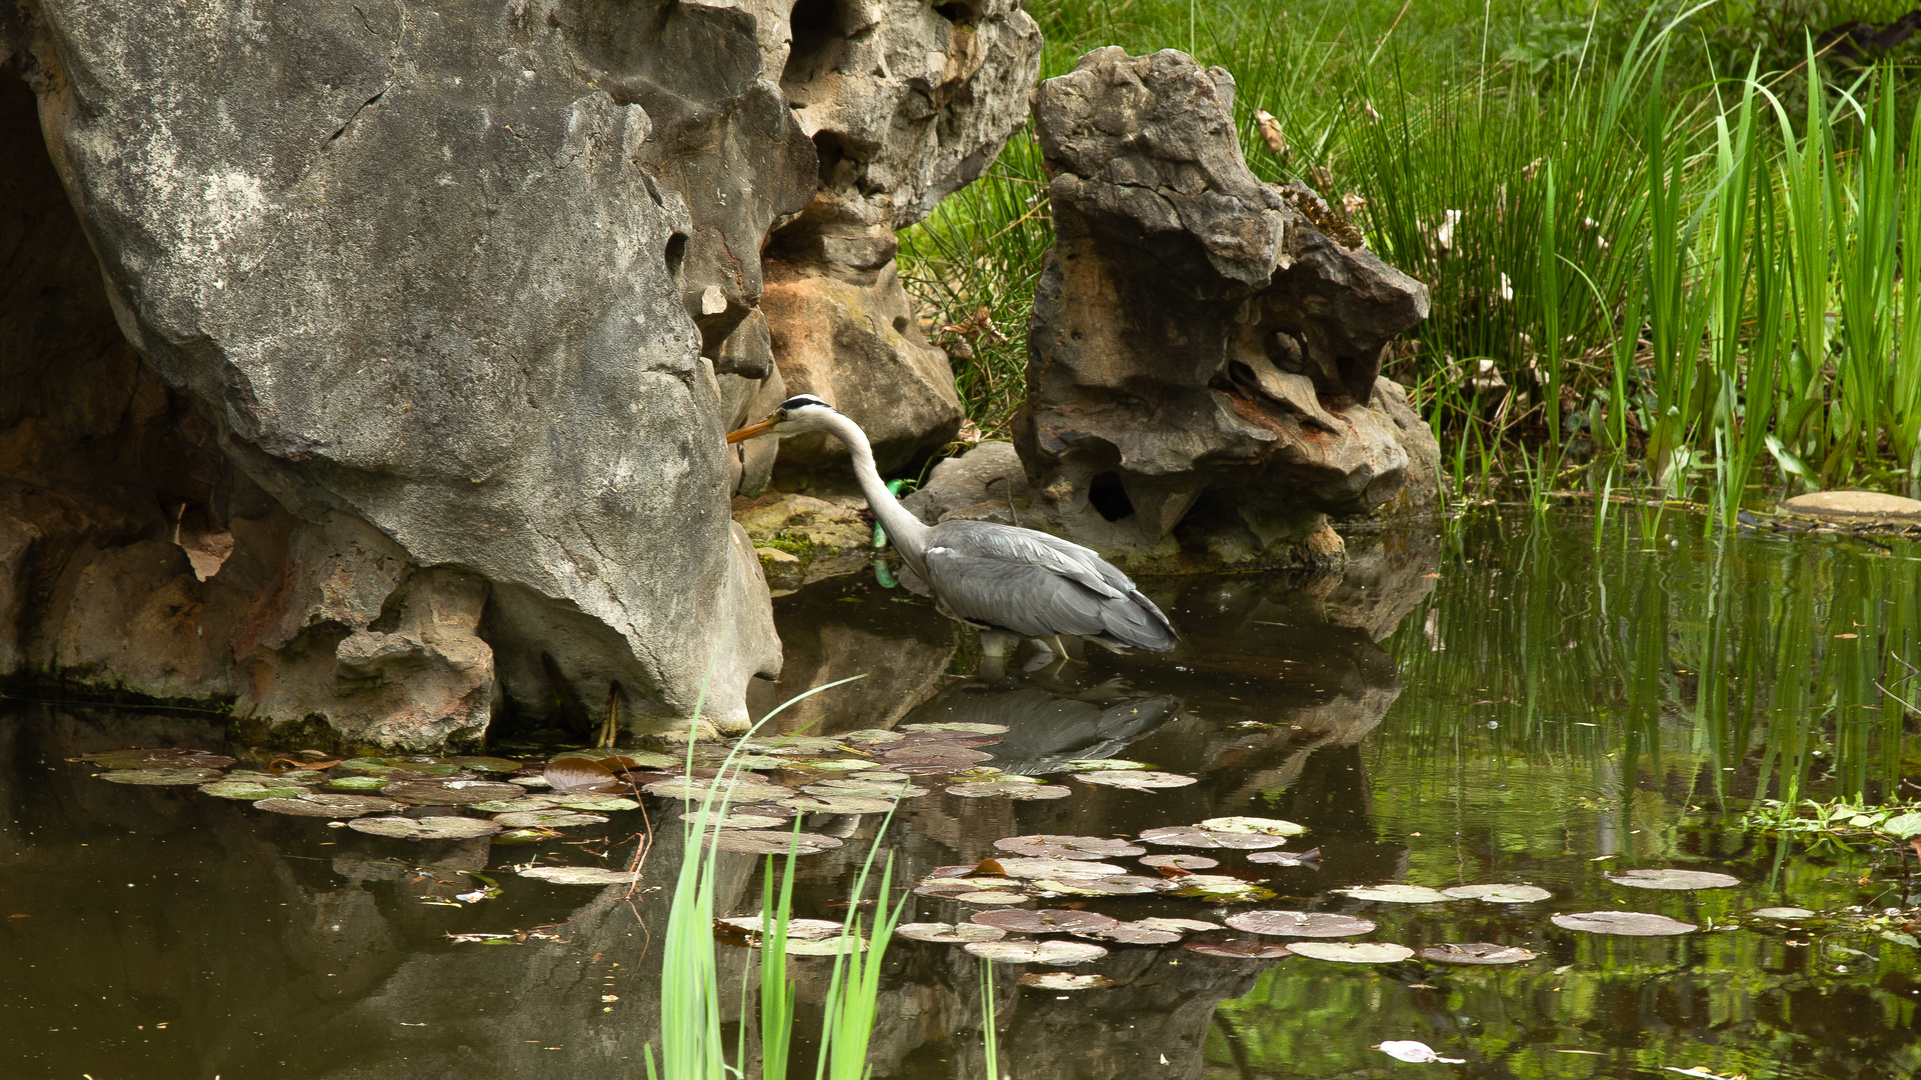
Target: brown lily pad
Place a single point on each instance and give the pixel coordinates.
(159, 777)
(1050, 846)
(1240, 949)
(431, 828)
(1059, 953)
(1626, 923)
(759, 842)
(450, 792)
(1061, 980)
(949, 933)
(330, 806)
(988, 789)
(1673, 879)
(1310, 857)
(1128, 933)
(1353, 952)
(158, 759)
(1182, 862)
(1195, 837)
(1045, 921)
(1499, 894)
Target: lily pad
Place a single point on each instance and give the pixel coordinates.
(871, 735)
(1260, 826)
(740, 789)
(949, 933)
(432, 828)
(597, 803)
(1045, 921)
(1045, 868)
(515, 806)
(1181, 862)
(1220, 889)
(923, 753)
(574, 773)
(158, 759)
(1135, 779)
(249, 790)
(1310, 857)
(449, 792)
(372, 766)
(1050, 846)
(864, 788)
(1179, 926)
(488, 764)
(582, 875)
(1099, 765)
(1129, 933)
(159, 777)
(791, 745)
(1098, 886)
(825, 947)
(968, 729)
(797, 929)
(1315, 924)
(1477, 952)
(1499, 894)
(837, 765)
(1416, 1052)
(1396, 894)
(1009, 789)
(837, 804)
(1352, 952)
(1627, 923)
(524, 836)
(330, 806)
(291, 778)
(1673, 879)
(356, 783)
(1788, 913)
(747, 821)
(1195, 837)
(760, 842)
(1058, 953)
(989, 898)
(547, 819)
(1240, 949)
(1062, 980)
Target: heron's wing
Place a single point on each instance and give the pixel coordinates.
(1037, 586)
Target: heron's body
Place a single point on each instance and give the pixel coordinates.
(997, 577)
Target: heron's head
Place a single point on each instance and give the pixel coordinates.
(803, 412)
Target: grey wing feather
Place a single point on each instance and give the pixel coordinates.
(1038, 585)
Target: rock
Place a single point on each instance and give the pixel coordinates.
(904, 102)
(800, 539)
(1855, 507)
(1203, 378)
(432, 272)
(858, 347)
(978, 485)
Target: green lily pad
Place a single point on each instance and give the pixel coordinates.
(430, 828)
(836, 765)
(158, 759)
(1062, 980)
(304, 778)
(519, 805)
(1259, 826)
(487, 764)
(828, 947)
(449, 792)
(1020, 792)
(1499, 894)
(249, 791)
(1477, 952)
(797, 929)
(1396, 894)
(547, 819)
(1626, 923)
(1128, 933)
(581, 875)
(748, 821)
(1058, 953)
(598, 803)
(524, 836)
(740, 789)
(1306, 924)
(793, 745)
(1221, 890)
(949, 933)
(1673, 879)
(159, 777)
(863, 788)
(372, 766)
(1097, 886)
(1352, 952)
(1135, 779)
(1903, 826)
(356, 783)
(1195, 837)
(330, 806)
(1047, 868)
(837, 804)
(770, 842)
(1180, 862)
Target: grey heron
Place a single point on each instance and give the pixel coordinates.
(1008, 581)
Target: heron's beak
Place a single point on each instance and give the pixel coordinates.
(751, 430)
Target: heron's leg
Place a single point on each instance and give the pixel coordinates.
(995, 645)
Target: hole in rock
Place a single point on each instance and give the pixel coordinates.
(828, 146)
(900, 324)
(817, 35)
(1284, 351)
(676, 254)
(956, 13)
(1108, 497)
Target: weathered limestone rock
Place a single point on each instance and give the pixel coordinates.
(1855, 507)
(1203, 362)
(426, 268)
(905, 102)
(800, 539)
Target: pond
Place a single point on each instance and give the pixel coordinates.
(1551, 701)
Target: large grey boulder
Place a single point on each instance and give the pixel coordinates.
(427, 269)
(1203, 376)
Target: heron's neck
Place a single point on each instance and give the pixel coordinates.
(906, 532)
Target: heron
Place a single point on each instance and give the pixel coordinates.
(1008, 582)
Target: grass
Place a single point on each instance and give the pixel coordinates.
(1662, 240)
(692, 1039)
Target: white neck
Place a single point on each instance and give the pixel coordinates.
(906, 532)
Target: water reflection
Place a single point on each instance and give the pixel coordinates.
(1423, 715)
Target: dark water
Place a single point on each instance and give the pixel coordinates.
(1535, 702)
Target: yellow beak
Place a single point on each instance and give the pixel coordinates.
(751, 430)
